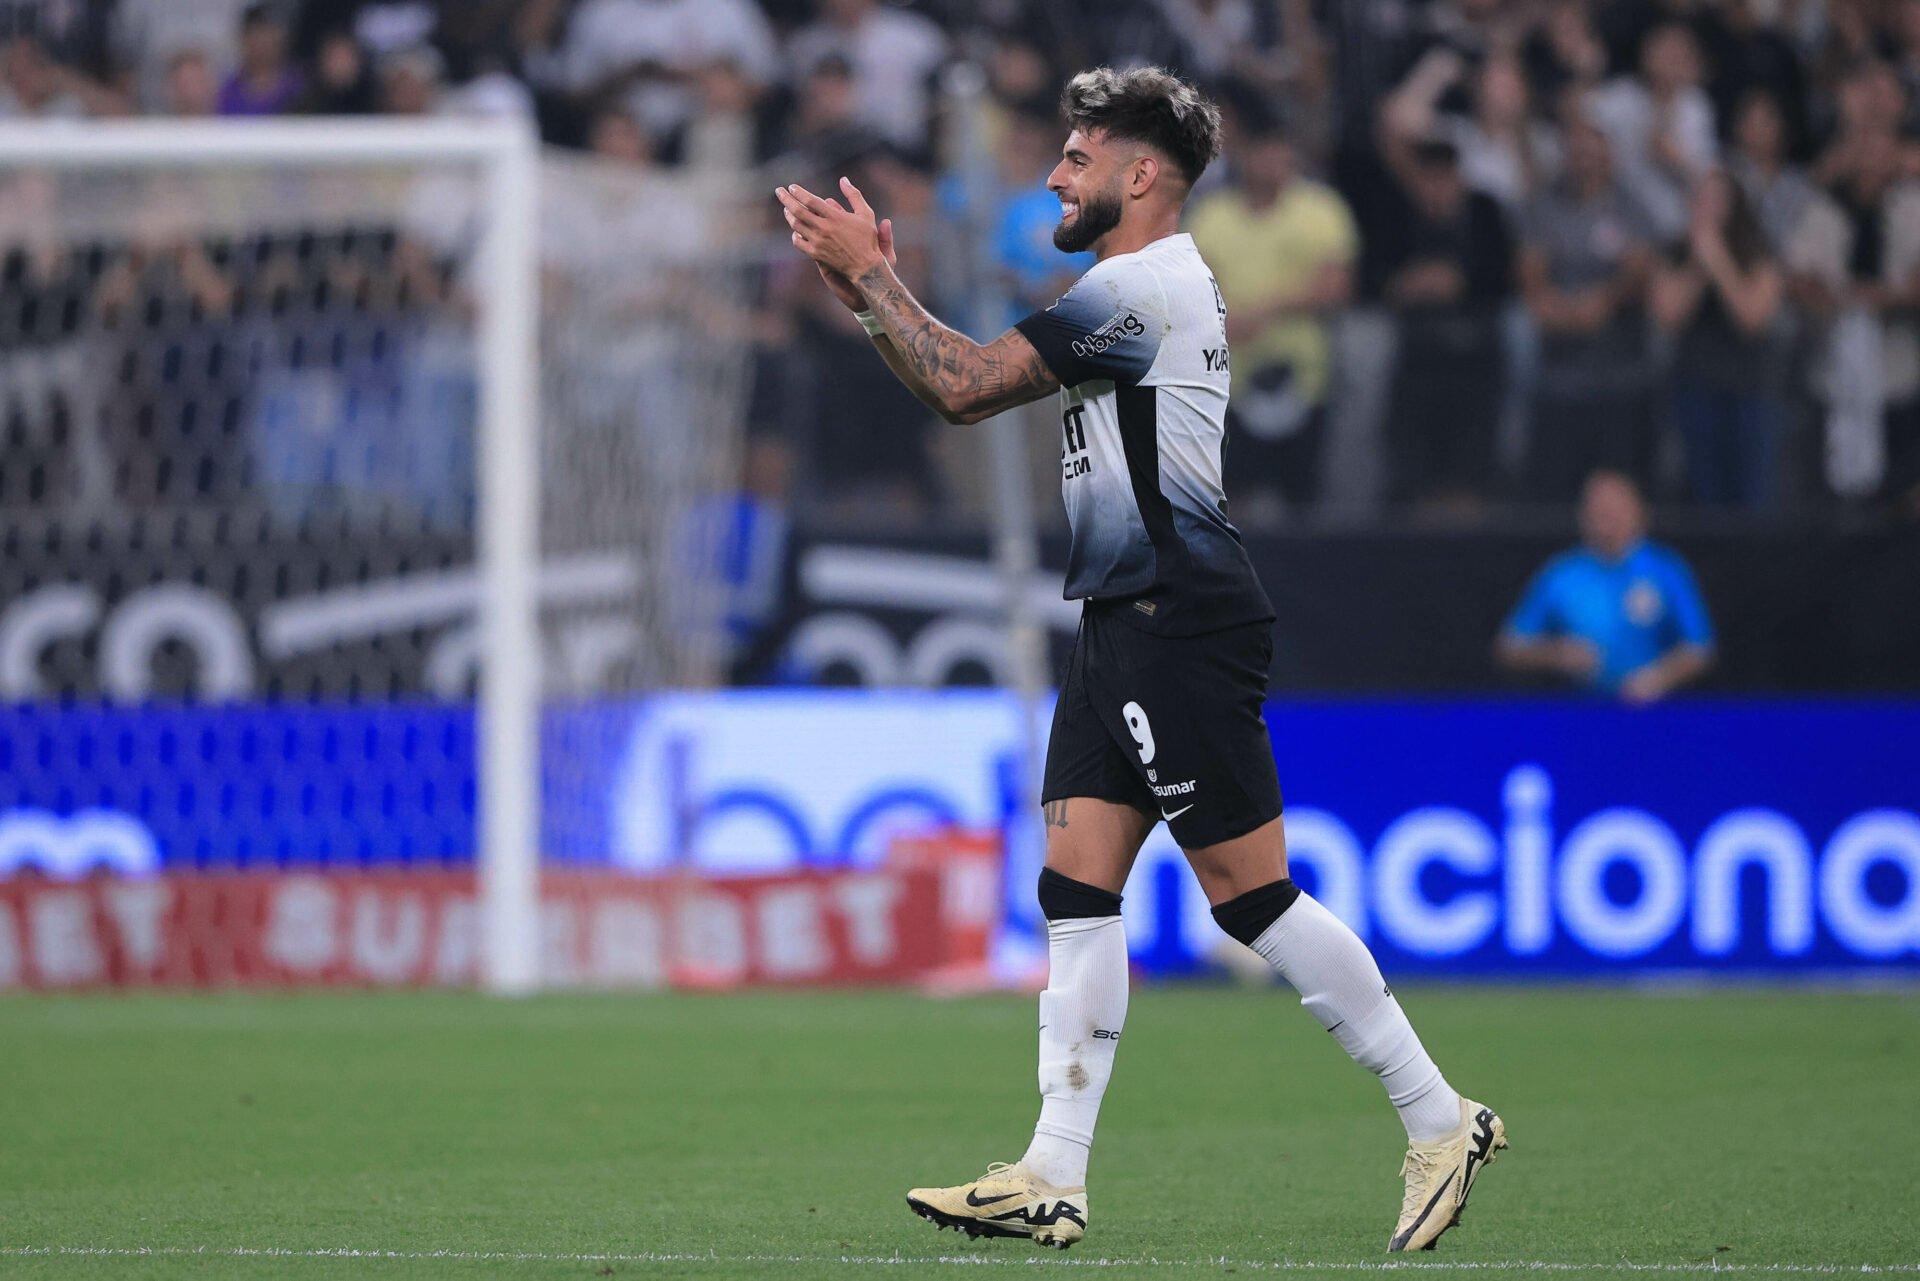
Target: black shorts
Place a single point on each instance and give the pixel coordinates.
(1171, 725)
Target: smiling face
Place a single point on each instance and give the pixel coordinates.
(1091, 181)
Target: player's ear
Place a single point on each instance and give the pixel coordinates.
(1141, 176)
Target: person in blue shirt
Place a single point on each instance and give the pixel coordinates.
(1620, 615)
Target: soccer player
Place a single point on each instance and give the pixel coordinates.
(1159, 717)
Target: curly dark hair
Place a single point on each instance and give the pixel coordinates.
(1149, 105)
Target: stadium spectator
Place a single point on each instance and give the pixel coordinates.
(1840, 37)
(747, 536)
(193, 91)
(1087, 33)
(724, 138)
(1234, 40)
(1720, 297)
(646, 53)
(1620, 614)
(1832, 86)
(824, 132)
(1564, 55)
(1583, 262)
(1856, 268)
(1292, 245)
(490, 94)
(1749, 54)
(46, 284)
(892, 56)
(1906, 59)
(1504, 151)
(477, 37)
(146, 34)
(1020, 75)
(1020, 215)
(1871, 106)
(1452, 271)
(34, 87)
(1778, 190)
(411, 82)
(73, 33)
(537, 49)
(343, 82)
(266, 83)
(1661, 124)
(380, 27)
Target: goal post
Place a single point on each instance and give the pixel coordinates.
(503, 158)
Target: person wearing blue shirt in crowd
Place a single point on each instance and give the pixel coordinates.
(1620, 615)
(1020, 215)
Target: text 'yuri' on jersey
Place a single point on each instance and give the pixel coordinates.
(1139, 345)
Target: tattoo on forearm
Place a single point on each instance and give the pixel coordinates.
(1056, 812)
(954, 367)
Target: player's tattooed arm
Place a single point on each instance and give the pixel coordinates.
(904, 372)
(968, 380)
(962, 380)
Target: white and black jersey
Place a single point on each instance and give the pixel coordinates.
(1139, 345)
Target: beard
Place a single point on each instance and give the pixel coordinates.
(1098, 215)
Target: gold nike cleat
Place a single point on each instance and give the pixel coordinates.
(1440, 1176)
(1006, 1201)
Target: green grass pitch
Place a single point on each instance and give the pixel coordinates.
(431, 1135)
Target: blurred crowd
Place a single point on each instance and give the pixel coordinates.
(1472, 250)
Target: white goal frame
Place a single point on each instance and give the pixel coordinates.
(506, 155)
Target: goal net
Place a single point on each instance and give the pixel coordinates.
(321, 438)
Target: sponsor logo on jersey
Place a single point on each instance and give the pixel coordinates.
(1642, 603)
(1109, 334)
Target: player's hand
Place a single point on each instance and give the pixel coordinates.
(1577, 656)
(842, 287)
(846, 240)
(1644, 685)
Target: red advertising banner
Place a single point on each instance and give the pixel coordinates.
(422, 928)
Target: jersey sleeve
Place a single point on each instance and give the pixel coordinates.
(1535, 615)
(1107, 327)
(1691, 624)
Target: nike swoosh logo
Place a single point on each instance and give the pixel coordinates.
(974, 1200)
(1177, 813)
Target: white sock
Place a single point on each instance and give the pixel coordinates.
(1339, 981)
(1081, 1014)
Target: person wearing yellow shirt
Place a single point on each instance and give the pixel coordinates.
(1283, 247)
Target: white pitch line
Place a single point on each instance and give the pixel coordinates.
(1704, 1266)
